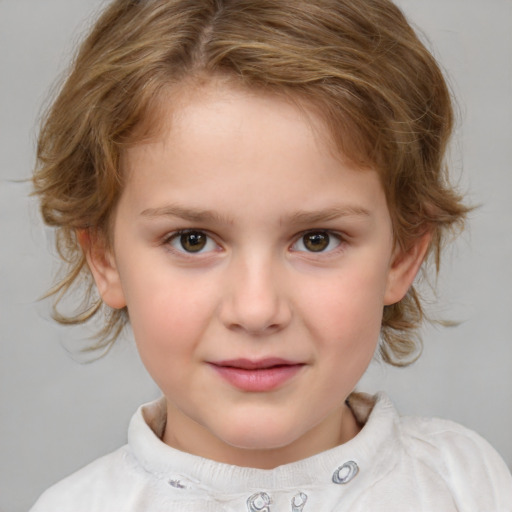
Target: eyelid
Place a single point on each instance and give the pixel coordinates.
(175, 235)
(332, 234)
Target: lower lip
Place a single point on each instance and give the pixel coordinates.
(260, 380)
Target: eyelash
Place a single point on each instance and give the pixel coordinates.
(330, 237)
(299, 239)
(177, 235)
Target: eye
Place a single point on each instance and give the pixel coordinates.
(191, 241)
(317, 241)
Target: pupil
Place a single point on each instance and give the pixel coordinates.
(316, 242)
(193, 242)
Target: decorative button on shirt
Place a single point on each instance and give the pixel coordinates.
(344, 474)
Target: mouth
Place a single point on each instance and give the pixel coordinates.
(257, 375)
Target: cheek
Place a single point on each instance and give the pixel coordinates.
(168, 312)
(345, 321)
(347, 308)
(168, 325)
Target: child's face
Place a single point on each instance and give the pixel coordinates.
(255, 266)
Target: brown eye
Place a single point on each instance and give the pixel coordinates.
(193, 241)
(316, 241)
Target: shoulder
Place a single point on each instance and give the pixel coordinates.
(121, 480)
(110, 475)
(468, 464)
(448, 440)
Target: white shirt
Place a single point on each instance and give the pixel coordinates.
(394, 464)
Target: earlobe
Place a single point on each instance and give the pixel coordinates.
(403, 270)
(103, 267)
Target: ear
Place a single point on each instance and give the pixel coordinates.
(103, 268)
(404, 267)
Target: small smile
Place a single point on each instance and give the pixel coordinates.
(257, 375)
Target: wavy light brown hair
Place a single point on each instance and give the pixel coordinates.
(357, 62)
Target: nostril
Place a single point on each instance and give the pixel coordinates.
(255, 305)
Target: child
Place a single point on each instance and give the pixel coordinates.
(254, 185)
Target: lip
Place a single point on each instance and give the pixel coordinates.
(257, 375)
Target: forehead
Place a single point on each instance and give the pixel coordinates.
(197, 111)
(222, 98)
(235, 151)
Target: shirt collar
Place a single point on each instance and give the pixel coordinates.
(372, 453)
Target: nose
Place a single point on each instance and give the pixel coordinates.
(255, 299)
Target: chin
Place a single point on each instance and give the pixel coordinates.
(265, 435)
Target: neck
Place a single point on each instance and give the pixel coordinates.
(186, 435)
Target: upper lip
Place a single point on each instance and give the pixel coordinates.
(255, 364)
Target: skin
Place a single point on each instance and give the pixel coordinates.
(252, 174)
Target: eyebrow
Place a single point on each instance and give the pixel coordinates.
(299, 217)
(190, 214)
(312, 217)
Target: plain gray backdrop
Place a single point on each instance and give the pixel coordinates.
(58, 414)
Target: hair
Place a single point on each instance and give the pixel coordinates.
(359, 63)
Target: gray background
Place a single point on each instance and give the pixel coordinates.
(58, 414)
